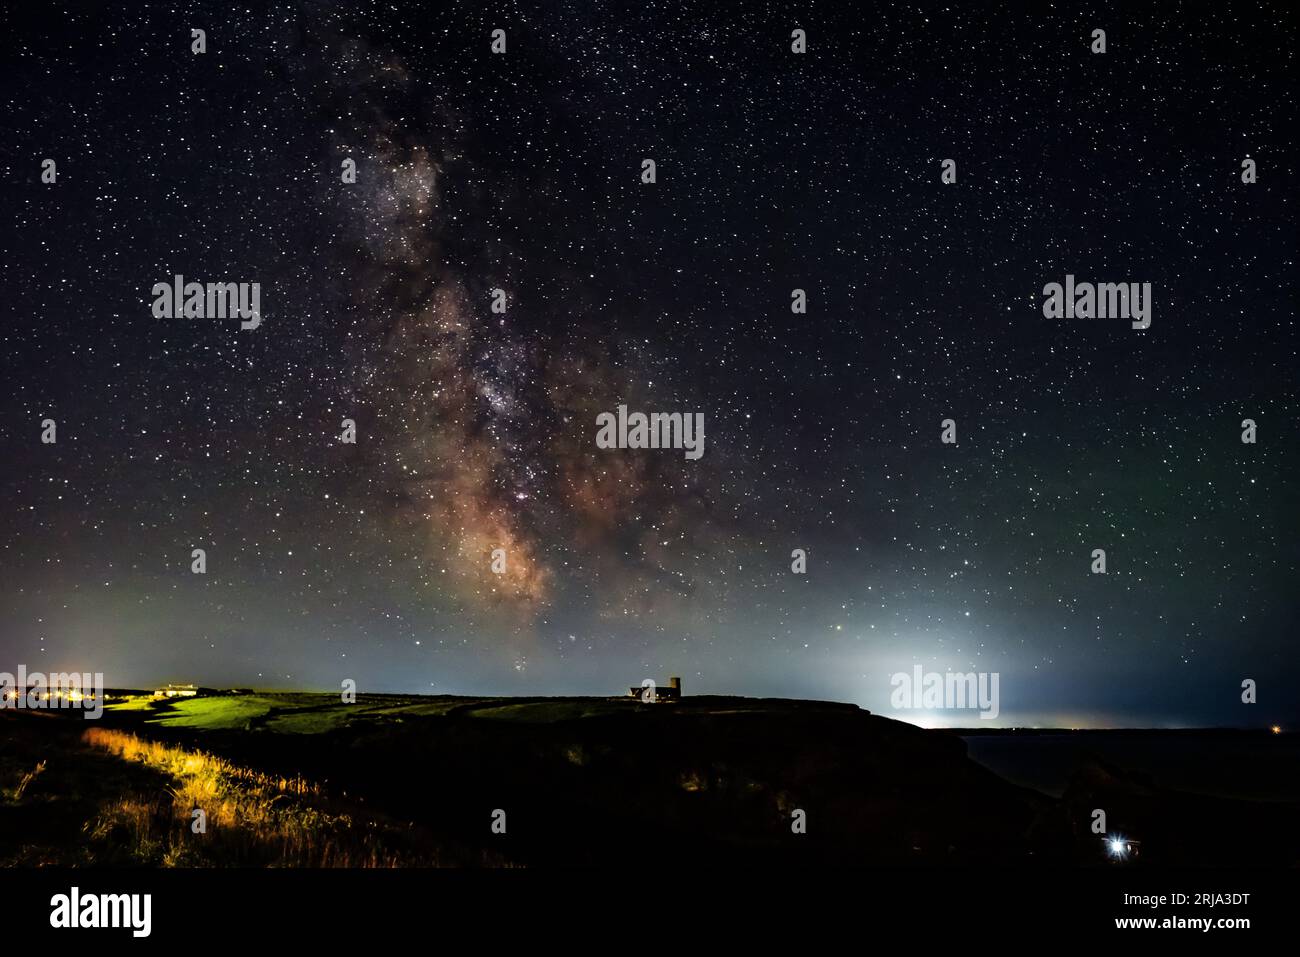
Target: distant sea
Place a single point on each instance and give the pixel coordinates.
(1255, 765)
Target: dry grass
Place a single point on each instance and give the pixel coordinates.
(252, 819)
(26, 781)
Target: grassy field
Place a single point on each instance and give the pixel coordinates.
(288, 713)
(83, 796)
(307, 713)
(287, 779)
(394, 779)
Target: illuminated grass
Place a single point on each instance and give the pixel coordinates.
(253, 819)
(139, 702)
(214, 713)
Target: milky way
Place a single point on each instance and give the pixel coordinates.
(481, 422)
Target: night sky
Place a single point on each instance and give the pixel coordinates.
(476, 430)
